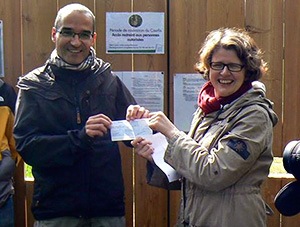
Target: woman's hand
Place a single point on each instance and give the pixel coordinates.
(159, 122)
(136, 112)
(143, 148)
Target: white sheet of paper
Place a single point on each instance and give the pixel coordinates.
(128, 130)
(159, 142)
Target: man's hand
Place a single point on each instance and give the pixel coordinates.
(97, 125)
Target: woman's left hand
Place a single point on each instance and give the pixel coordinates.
(143, 148)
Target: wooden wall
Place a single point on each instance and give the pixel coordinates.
(274, 24)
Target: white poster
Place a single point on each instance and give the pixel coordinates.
(186, 90)
(146, 87)
(136, 32)
(1, 50)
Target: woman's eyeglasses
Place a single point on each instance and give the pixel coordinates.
(232, 67)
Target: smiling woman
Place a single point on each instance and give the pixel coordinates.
(227, 153)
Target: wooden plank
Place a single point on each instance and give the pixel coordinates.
(224, 13)
(264, 19)
(127, 167)
(11, 18)
(29, 193)
(151, 202)
(118, 63)
(292, 221)
(291, 89)
(87, 3)
(174, 206)
(269, 190)
(20, 196)
(37, 25)
(187, 32)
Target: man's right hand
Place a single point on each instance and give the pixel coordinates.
(97, 125)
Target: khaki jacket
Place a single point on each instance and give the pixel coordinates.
(224, 160)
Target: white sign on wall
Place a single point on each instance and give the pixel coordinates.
(146, 87)
(135, 32)
(186, 91)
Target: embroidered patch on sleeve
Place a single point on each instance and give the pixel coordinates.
(240, 147)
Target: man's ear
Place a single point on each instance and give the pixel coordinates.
(53, 34)
(94, 38)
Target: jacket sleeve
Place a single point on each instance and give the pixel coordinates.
(156, 177)
(7, 166)
(11, 140)
(10, 96)
(232, 156)
(41, 149)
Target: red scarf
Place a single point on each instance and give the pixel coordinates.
(209, 103)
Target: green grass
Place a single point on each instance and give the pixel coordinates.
(28, 173)
(276, 170)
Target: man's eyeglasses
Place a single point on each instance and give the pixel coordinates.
(69, 33)
(232, 67)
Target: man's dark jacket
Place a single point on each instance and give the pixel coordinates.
(74, 174)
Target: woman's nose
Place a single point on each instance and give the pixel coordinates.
(225, 70)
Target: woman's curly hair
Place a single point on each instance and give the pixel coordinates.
(239, 41)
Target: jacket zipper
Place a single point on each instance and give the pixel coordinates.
(78, 116)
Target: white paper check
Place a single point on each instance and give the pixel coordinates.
(128, 130)
(159, 142)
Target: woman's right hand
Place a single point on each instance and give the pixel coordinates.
(143, 148)
(158, 121)
(136, 112)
